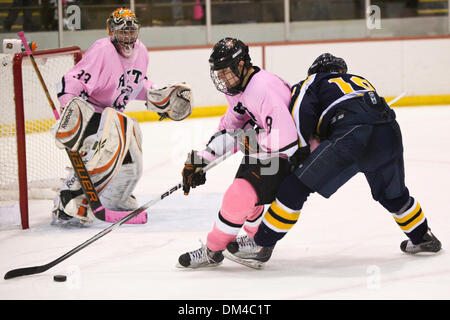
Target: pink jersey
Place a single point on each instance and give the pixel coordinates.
(105, 78)
(264, 102)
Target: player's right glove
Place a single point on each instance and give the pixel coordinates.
(192, 174)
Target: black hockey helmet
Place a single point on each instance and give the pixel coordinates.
(326, 63)
(227, 53)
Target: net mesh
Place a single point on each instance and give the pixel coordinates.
(45, 162)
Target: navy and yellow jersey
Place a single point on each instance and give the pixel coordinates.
(314, 100)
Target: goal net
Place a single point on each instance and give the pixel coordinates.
(31, 167)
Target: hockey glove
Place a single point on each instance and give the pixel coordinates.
(174, 102)
(299, 157)
(302, 153)
(192, 174)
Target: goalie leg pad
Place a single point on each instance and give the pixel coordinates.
(117, 195)
(104, 154)
(107, 153)
(72, 126)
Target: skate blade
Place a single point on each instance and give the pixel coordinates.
(68, 224)
(424, 252)
(179, 266)
(254, 264)
(427, 249)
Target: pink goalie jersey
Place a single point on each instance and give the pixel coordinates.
(104, 78)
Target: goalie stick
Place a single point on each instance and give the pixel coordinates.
(80, 169)
(42, 268)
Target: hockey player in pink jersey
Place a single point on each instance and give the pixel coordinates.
(92, 96)
(258, 99)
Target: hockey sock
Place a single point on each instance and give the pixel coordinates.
(238, 205)
(252, 223)
(283, 212)
(412, 221)
(277, 221)
(223, 232)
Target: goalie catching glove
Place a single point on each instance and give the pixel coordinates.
(192, 174)
(174, 102)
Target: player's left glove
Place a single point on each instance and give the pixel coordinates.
(192, 174)
(303, 153)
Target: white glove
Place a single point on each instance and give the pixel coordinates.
(174, 101)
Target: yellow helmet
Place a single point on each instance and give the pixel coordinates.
(123, 28)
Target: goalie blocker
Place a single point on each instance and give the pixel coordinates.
(110, 146)
(174, 102)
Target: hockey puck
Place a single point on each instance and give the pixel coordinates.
(60, 278)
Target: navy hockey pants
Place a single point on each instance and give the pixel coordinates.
(374, 150)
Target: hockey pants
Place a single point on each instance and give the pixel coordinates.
(374, 150)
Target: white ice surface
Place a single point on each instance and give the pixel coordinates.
(346, 247)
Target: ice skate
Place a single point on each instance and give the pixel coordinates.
(62, 219)
(430, 244)
(200, 258)
(246, 252)
(59, 217)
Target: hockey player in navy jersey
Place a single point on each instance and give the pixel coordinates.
(357, 132)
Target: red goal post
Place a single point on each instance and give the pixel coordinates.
(36, 164)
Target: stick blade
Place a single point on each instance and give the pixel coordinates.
(24, 272)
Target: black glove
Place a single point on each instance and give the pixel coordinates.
(192, 174)
(299, 157)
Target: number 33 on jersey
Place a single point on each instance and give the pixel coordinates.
(104, 78)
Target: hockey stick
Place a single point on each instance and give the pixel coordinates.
(396, 99)
(39, 269)
(80, 169)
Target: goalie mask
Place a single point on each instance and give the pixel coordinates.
(225, 68)
(327, 63)
(123, 28)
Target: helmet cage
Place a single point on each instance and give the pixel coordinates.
(123, 28)
(227, 80)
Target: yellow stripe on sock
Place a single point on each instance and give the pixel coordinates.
(283, 227)
(408, 216)
(277, 213)
(283, 213)
(413, 223)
